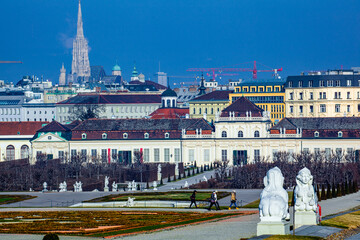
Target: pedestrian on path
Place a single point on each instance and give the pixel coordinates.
(233, 200)
(213, 201)
(193, 199)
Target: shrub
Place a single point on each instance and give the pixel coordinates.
(197, 170)
(193, 171)
(201, 169)
(51, 236)
(161, 182)
(189, 174)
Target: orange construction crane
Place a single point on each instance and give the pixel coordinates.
(220, 70)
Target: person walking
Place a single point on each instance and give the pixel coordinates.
(233, 200)
(193, 199)
(213, 201)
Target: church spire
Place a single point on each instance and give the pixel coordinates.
(80, 31)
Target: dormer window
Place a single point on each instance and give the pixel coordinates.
(146, 135)
(316, 134)
(167, 135)
(340, 134)
(83, 136)
(125, 135)
(104, 136)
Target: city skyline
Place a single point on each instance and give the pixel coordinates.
(180, 35)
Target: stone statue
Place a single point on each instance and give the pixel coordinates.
(159, 172)
(133, 186)
(114, 187)
(186, 185)
(130, 202)
(129, 186)
(155, 186)
(78, 186)
(45, 187)
(176, 170)
(205, 179)
(106, 184)
(274, 198)
(63, 187)
(305, 197)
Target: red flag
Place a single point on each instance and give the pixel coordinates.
(109, 155)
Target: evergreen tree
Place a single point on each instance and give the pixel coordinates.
(195, 165)
(189, 172)
(197, 170)
(211, 166)
(333, 190)
(179, 176)
(323, 195)
(169, 180)
(193, 171)
(202, 169)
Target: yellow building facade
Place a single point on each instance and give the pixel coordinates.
(209, 104)
(270, 96)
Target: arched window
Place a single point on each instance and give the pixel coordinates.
(199, 110)
(10, 152)
(168, 103)
(173, 103)
(146, 135)
(240, 134)
(83, 136)
(224, 134)
(104, 136)
(316, 134)
(256, 133)
(24, 152)
(212, 111)
(125, 135)
(167, 135)
(340, 134)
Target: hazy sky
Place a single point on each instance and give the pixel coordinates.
(296, 35)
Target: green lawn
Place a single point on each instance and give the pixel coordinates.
(171, 196)
(6, 199)
(350, 220)
(255, 204)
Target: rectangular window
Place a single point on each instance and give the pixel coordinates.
(322, 108)
(337, 107)
(61, 155)
(301, 109)
(166, 154)
(337, 83)
(291, 96)
(349, 150)
(311, 109)
(348, 108)
(306, 150)
(321, 83)
(146, 155)
(156, 154)
(104, 154)
(224, 155)
(320, 95)
(93, 153)
(311, 96)
(317, 151)
(291, 109)
(290, 84)
(301, 96)
(73, 152)
(310, 83)
(327, 152)
(191, 155)
(348, 95)
(256, 154)
(358, 107)
(338, 152)
(177, 154)
(83, 152)
(300, 83)
(348, 83)
(114, 154)
(274, 153)
(206, 155)
(330, 83)
(324, 95)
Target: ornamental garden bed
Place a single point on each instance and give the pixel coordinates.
(101, 223)
(6, 199)
(166, 196)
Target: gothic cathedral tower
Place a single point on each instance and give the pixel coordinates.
(80, 64)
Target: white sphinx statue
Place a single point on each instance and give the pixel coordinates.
(63, 187)
(114, 187)
(273, 207)
(305, 199)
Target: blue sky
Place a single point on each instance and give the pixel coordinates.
(296, 35)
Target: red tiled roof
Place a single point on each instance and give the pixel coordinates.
(20, 128)
(214, 96)
(240, 107)
(169, 113)
(112, 99)
(54, 126)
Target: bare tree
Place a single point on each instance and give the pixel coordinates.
(221, 169)
(87, 111)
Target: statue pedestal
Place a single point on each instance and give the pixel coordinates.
(273, 228)
(106, 189)
(305, 218)
(159, 177)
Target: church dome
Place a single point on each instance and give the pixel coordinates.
(116, 68)
(169, 93)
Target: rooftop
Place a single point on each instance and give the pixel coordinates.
(112, 99)
(214, 96)
(20, 128)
